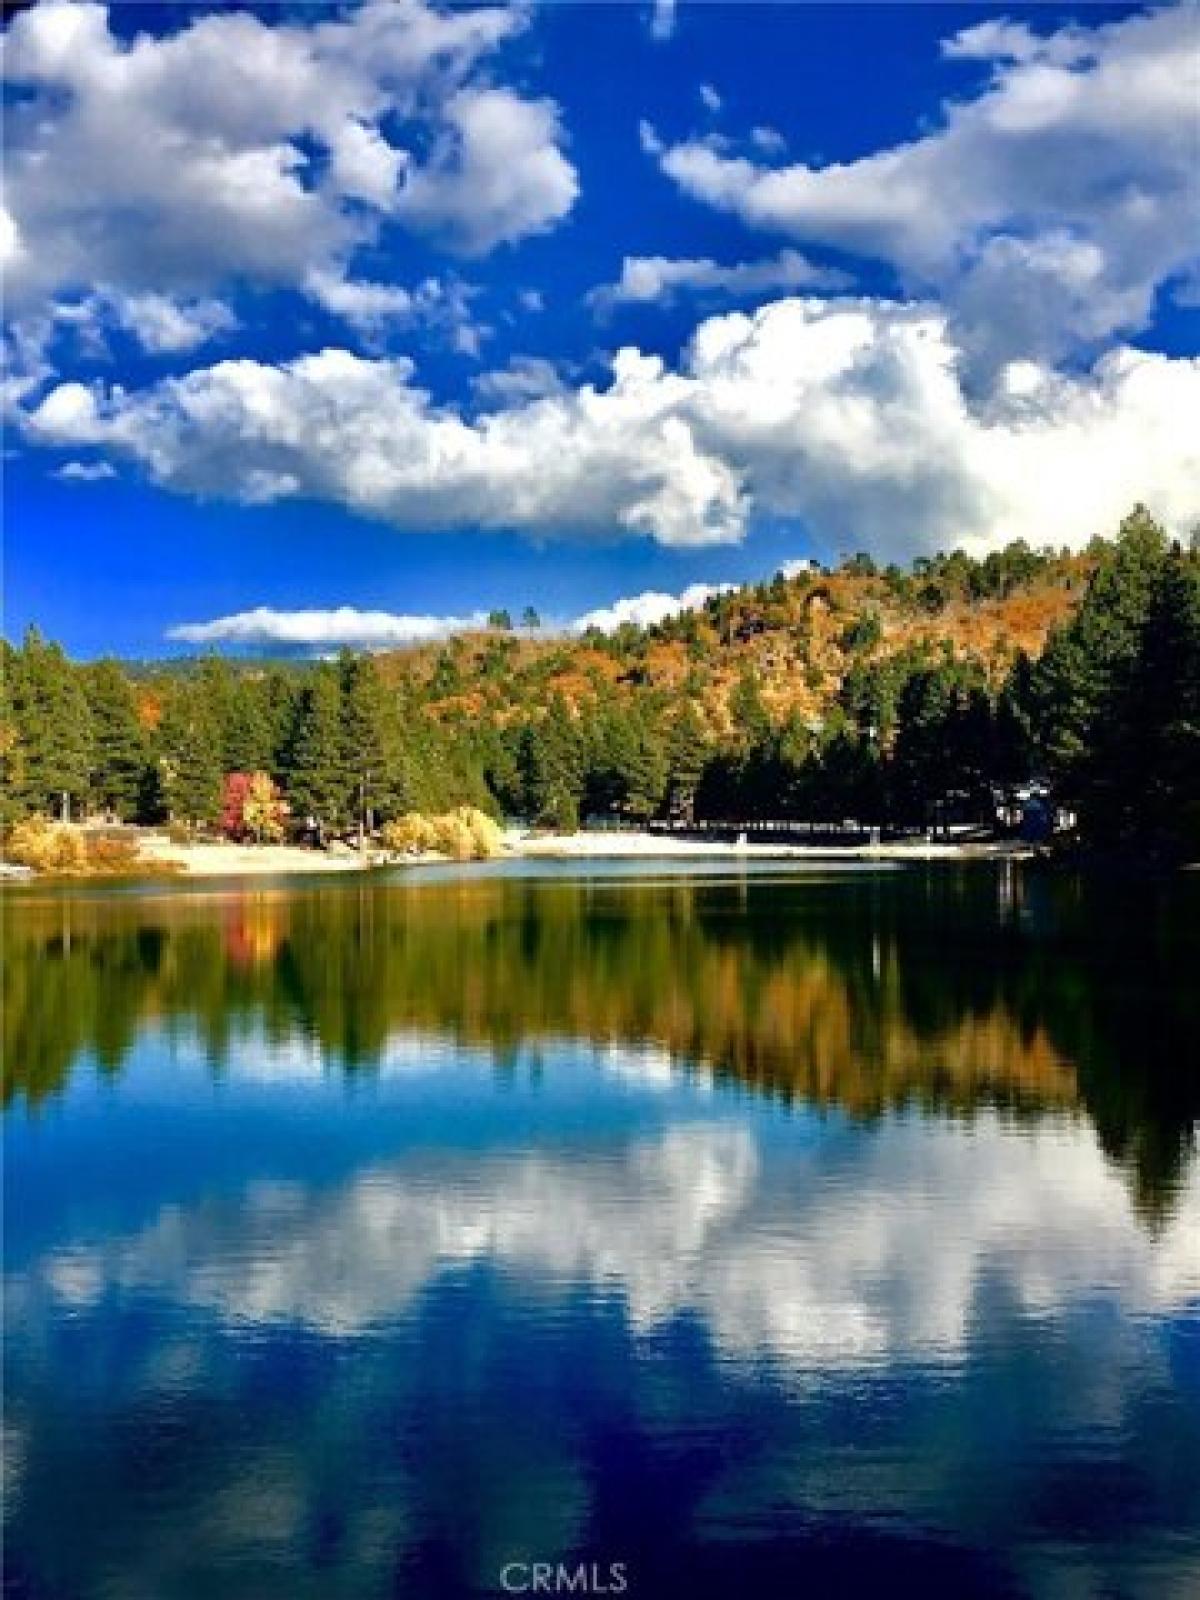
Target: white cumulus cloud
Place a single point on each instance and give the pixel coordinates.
(85, 471)
(242, 149)
(1048, 209)
(645, 609)
(661, 279)
(496, 174)
(314, 630)
(849, 417)
(374, 309)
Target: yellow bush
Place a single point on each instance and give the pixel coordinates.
(464, 835)
(487, 839)
(60, 847)
(46, 846)
(409, 835)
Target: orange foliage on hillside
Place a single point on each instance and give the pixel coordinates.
(797, 636)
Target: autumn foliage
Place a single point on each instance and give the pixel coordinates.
(252, 808)
(64, 849)
(464, 834)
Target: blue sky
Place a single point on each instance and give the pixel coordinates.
(350, 323)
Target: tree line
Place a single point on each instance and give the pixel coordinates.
(1108, 715)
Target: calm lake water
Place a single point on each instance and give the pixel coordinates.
(723, 1233)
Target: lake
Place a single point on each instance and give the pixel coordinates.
(706, 1232)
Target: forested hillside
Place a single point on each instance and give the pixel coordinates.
(894, 697)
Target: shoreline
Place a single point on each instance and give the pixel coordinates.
(161, 859)
(601, 846)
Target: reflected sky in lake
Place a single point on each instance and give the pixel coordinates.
(770, 1237)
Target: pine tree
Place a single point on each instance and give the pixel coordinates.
(500, 766)
(686, 752)
(795, 767)
(606, 741)
(1137, 782)
(371, 741)
(318, 784)
(13, 785)
(1082, 661)
(190, 762)
(119, 747)
(53, 728)
(280, 693)
(748, 711)
(247, 743)
(1015, 739)
(553, 768)
(1170, 681)
(943, 738)
(237, 706)
(645, 776)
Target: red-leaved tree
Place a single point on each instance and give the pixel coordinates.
(252, 808)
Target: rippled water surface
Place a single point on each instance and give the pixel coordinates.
(720, 1233)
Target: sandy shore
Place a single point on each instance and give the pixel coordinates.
(243, 860)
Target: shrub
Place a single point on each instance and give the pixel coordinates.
(409, 835)
(464, 835)
(60, 847)
(107, 852)
(484, 837)
(46, 846)
(863, 634)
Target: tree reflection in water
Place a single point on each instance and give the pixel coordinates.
(948, 988)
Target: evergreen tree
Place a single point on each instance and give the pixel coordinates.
(606, 740)
(500, 764)
(1081, 662)
(748, 711)
(796, 766)
(237, 707)
(553, 768)
(1014, 734)
(1137, 780)
(318, 785)
(280, 692)
(686, 754)
(447, 678)
(53, 729)
(1167, 686)
(848, 781)
(13, 783)
(645, 774)
(942, 749)
(189, 740)
(247, 743)
(372, 744)
(120, 752)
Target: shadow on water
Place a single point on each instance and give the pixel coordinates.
(948, 988)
